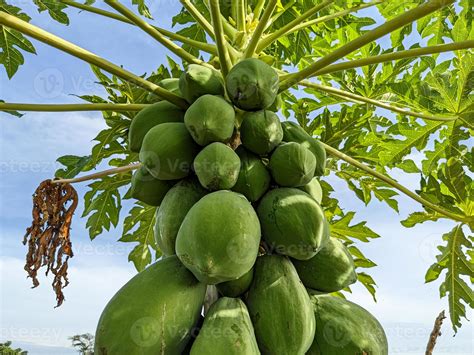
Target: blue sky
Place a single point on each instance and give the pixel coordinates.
(30, 145)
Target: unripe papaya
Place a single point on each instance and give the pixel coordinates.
(199, 80)
(292, 132)
(261, 132)
(170, 84)
(330, 270)
(153, 313)
(147, 189)
(174, 207)
(252, 85)
(227, 330)
(345, 328)
(217, 167)
(219, 238)
(236, 288)
(313, 188)
(168, 151)
(280, 308)
(210, 119)
(254, 178)
(293, 223)
(292, 165)
(148, 118)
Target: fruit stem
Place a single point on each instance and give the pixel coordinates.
(70, 107)
(262, 25)
(206, 47)
(266, 41)
(98, 175)
(393, 183)
(66, 46)
(257, 11)
(224, 58)
(380, 31)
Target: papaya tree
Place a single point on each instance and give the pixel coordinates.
(270, 101)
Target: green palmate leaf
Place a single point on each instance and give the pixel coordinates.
(419, 217)
(55, 9)
(368, 283)
(457, 265)
(342, 229)
(74, 165)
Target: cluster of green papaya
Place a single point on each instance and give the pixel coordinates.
(238, 206)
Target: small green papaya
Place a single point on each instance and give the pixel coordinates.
(217, 167)
(293, 223)
(227, 330)
(252, 85)
(330, 270)
(174, 207)
(261, 132)
(236, 288)
(168, 151)
(153, 313)
(199, 80)
(219, 238)
(292, 132)
(280, 308)
(148, 118)
(170, 84)
(292, 165)
(210, 119)
(147, 189)
(254, 178)
(313, 188)
(345, 328)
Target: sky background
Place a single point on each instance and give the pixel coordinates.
(30, 145)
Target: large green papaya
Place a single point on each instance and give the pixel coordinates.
(227, 330)
(217, 167)
(236, 288)
(170, 84)
(280, 308)
(260, 131)
(313, 188)
(168, 151)
(330, 270)
(147, 189)
(148, 118)
(292, 132)
(199, 80)
(292, 165)
(153, 313)
(254, 178)
(293, 223)
(219, 238)
(174, 207)
(210, 119)
(252, 85)
(345, 328)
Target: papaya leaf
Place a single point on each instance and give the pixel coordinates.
(368, 283)
(74, 165)
(341, 228)
(55, 9)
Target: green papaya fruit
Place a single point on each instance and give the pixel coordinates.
(236, 288)
(293, 223)
(210, 119)
(252, 85)
(276, 105)
(168, 151)
(199, 80)
(292, 165)
(254, 178)
(280, 308)
(194, 335)
(147, 189)
(313, 188)
(170, 84)
(219, 238)
(148, 118)
(292, 132)
(261, 132)
(217, 167)
(153, 313)
(330, 270)
(227, 330)
(345, 328)
(174, 207)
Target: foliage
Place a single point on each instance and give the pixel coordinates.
(5, 348)
(83, 343)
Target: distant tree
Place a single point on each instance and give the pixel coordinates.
(84, 343)
(5, 349)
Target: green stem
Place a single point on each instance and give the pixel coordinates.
(262, 25)
(357, 98)
(220, 40)
(266, 41)
(241, 15)
(98, 175)
(257, 11)
(76, 51)
(229, 30)
(205, 25)
(279, 13)
(70, 107)
(391, 182)
(388, 27)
